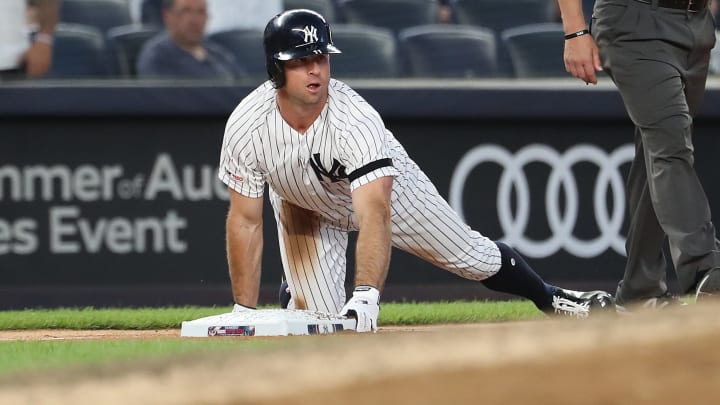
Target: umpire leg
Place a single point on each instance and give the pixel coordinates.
(661, 84)
(645, 274)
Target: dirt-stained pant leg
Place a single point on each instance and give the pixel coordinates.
(313, 258)
(658, 58)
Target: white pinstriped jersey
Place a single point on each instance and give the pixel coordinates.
(311, 177)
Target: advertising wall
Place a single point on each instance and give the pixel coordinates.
(126, 209)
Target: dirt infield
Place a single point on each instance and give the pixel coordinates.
(671, 358)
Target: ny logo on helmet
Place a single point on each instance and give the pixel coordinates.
(310, 34)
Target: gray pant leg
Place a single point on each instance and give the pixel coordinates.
(662, 82)
(645, 274)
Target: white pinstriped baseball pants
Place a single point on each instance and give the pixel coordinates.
(313, 249)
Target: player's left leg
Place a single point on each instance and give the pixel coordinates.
(313, 257)
(429, 228)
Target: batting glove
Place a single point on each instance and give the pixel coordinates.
(242, 308)
(365, 307)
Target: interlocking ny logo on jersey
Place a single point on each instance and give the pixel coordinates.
(310, 34)
(336, 173)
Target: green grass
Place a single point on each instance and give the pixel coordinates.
(92, 318)
(426, 313)
(409, 313)
(27, 356)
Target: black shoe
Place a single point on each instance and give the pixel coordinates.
(665, 301)
(709, 286)
(580, 304)
(284, 295)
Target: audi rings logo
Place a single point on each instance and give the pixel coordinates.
(562, 223)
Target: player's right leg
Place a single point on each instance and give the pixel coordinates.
(313, 258)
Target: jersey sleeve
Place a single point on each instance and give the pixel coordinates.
(367, 154)
(238, 165)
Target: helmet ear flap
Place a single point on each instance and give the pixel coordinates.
(280, 72)
(276, 72)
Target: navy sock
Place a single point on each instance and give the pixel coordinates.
(517, 277)
(284, 295)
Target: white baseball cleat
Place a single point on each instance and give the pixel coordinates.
(580, 304)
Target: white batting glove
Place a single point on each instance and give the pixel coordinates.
(241, 308)
(364, 305)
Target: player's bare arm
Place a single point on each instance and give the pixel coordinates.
(371, 203)
(244, 247)
(581, 56)
(372, 207)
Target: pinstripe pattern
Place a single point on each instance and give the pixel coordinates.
(310, 191)
(313, 252)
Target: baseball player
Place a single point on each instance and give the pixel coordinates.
(332, 167)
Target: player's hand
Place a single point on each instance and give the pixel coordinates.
(582, 58)
(242, 308)
(364, 305)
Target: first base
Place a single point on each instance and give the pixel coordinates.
(267, 322)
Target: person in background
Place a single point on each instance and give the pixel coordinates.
(182, 50)
(445, 12)
(23, 55)
(223, 15)
(657, 53)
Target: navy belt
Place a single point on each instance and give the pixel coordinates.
(692, 6)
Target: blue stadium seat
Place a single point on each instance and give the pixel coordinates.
(151, 12)
(368, 52)
(125, 43)
(536, 50)
(324, 7)
(78, 52)
(459, 51)
(101, 14)
(394, 15)
(247, 47)
(502, 14)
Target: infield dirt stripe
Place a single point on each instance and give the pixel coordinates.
(551, 355)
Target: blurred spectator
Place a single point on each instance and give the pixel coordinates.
(445, 12)
(22, 54)
(223, 15)
(182, 51)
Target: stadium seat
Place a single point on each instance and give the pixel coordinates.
(394, 15)
(368, 52)
(324, 7)
(449, 51)
(502, 14)
(101, 14)
(247, 47)
(536, 50)
(78, 52)
(151, 12)
(125, 43)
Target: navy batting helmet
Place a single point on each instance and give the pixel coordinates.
(295, 34)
